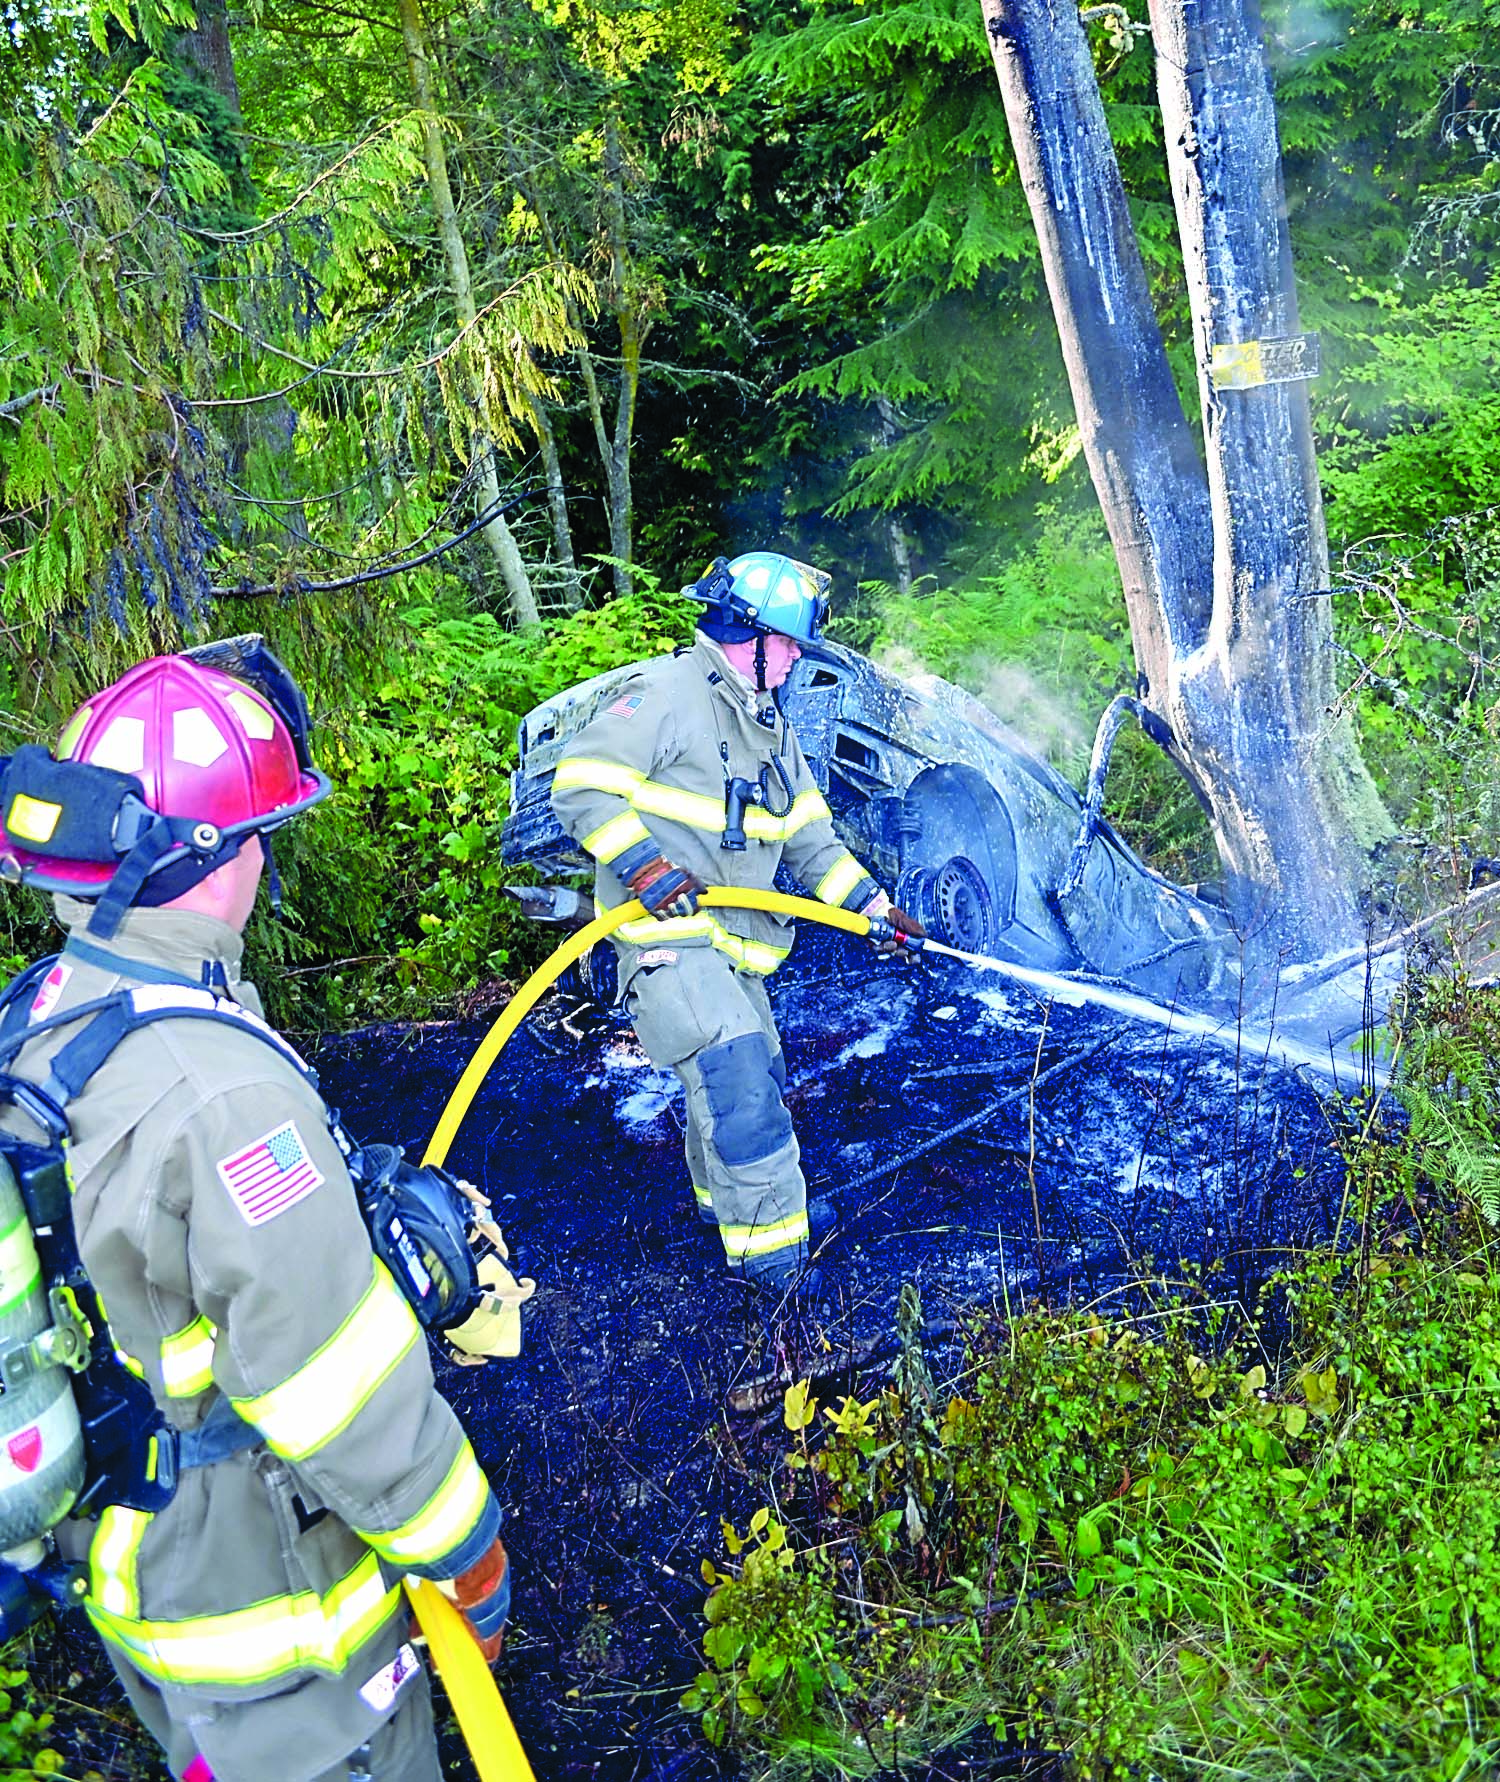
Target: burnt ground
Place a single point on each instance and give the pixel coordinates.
(973, 1141)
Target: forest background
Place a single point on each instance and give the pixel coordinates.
(294, 296)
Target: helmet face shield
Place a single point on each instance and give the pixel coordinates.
(250, 659)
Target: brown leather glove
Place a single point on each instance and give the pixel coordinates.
(903, 925)
(483, 1597)
(881, 909)
(667, 890)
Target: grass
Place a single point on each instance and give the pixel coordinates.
(1189, 1539)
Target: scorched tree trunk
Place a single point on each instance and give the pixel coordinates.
(1225, 563)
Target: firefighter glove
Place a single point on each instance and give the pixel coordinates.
(483, 1597)
(898, 925)
(667, 890)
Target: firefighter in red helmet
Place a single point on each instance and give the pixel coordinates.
(252, 1611)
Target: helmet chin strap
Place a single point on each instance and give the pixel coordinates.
(760, 662)
(273, 878)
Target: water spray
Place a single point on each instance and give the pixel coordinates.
(1261, 1044)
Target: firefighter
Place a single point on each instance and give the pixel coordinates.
(255, 1619)
(691, 776)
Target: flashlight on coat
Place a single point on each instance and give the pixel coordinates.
(737, 795)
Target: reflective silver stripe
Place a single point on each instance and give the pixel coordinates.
(151, 998)
(840, 879)
(326, 1394)
(589, 775)
(611, 839)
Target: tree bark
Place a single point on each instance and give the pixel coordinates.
(623, 300)
(1295, 807)
(207, 49)
(1225, 570)
(557, 503)
(497, 535)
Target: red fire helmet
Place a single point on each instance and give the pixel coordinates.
(220, 754)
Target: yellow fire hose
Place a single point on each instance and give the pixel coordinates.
(525, 999)
(482, 1714)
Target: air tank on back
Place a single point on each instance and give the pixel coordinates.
(41, 1443)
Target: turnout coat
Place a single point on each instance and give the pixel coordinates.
(648, 776)
(216, 1218)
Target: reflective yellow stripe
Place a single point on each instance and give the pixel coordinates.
(755, 1240)
(695, 809)
(703, 1196)
(597, 776)
(20, 1271)
(187, 1359)
(611, 839)
(270, 1639)
(698, 811)
(840, 879)
(807, 807)
(646, 931)
(326, 1394)
(112, 1557)
(446, 1520)
(759, 956)
(130, 1364)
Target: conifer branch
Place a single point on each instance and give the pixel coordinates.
(298, 585)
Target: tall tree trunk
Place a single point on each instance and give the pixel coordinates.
(557, 503)
(623, 300)
(207, 50)
(497, 535)
(1225, 573)
(1257, 698)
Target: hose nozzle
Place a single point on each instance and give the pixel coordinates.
(883, 933)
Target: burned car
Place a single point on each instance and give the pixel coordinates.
(972, 831)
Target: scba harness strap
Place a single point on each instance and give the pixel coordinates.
(417, 1219)
(134, 1456)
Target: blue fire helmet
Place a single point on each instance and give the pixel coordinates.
(761, 591)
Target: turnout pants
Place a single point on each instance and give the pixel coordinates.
(254, 1741)
(696, 1014)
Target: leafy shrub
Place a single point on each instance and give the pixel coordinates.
(24, 1752)
(1164, 1543)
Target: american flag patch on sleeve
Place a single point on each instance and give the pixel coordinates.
(271, 1175)
(628, 706)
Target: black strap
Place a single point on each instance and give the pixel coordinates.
(221, 1433)
(133, 871)
(14, 1036)
(77, 1061)
(14, 1006)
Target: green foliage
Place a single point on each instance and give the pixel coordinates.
(24, 1751)
(1450, 1088)
(394, 899)
(1171, 1542)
